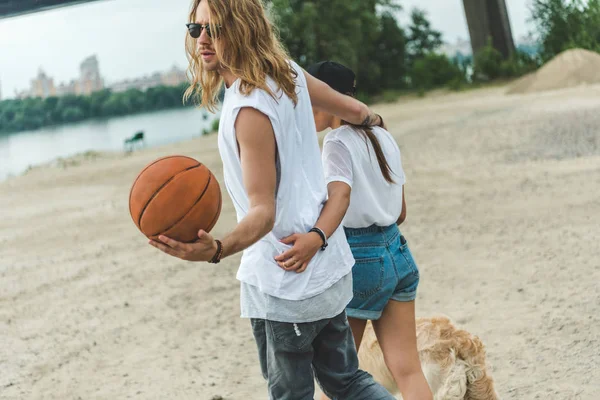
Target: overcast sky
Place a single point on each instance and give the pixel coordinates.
(138, 37)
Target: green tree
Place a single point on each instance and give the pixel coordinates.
(566, 24)
(136, 100)
(346, 31)
(97, 100)
(314, 31)
(488, 63)
(32, 113)
(74, 101)
(53, 113)
(422, 39)
(520, 63)
(390, 53)
(114, 105)
(435, 70)
(72, 114)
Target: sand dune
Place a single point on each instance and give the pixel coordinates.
(571, 68)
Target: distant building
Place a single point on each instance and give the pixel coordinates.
(174, 77)
(142, 83)
(23, 94)
(68, 88)
(42, 86)
(89, 79)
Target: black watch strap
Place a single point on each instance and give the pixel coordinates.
(323, 237)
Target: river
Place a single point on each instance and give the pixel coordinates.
(20, 150)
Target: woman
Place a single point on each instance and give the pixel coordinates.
(365, 183)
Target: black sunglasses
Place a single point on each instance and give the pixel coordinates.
(195, 30)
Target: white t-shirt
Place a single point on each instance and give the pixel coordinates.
(349, 157)
(300, 196)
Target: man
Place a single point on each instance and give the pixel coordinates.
(273, 174)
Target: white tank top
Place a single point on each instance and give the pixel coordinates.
(348, 158)
(300, 196)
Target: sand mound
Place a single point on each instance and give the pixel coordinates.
(568, 69)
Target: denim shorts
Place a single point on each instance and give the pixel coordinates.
(384, 270)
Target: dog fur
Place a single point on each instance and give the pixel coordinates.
(453, 361)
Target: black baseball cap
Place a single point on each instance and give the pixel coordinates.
(338, 76)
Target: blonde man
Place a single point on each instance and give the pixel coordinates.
(273, 174)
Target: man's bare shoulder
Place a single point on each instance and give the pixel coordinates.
(252, 123)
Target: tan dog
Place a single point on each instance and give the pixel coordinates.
(453, 361)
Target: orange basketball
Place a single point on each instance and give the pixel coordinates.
(175, 196)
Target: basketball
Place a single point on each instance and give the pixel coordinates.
(175, 196)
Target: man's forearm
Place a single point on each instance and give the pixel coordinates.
(364, 116)
(256, 224)
(345, 107)
(370, 118)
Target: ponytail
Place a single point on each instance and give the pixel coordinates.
(368, 134)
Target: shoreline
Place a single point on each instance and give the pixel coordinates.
(24, 149)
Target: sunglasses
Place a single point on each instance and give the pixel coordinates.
(195, 30)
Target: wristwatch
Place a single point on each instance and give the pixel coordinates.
(323, 237)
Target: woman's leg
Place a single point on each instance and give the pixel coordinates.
(358, 329)
(397, 335)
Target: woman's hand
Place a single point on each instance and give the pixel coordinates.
(305, 246)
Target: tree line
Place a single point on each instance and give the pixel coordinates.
(566, 24)
(367, 36)
(33, 113)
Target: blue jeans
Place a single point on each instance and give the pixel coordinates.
(290, 353)
(384, 270)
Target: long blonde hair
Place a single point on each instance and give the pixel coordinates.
(252, 52)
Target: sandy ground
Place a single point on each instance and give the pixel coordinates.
(503, 211)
